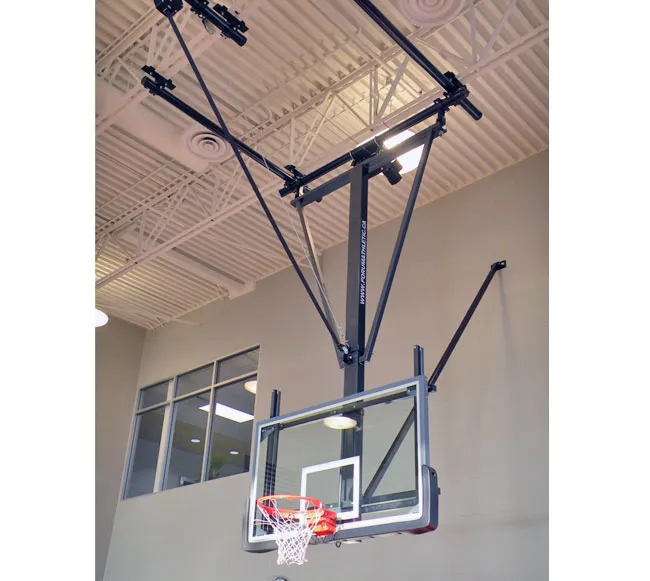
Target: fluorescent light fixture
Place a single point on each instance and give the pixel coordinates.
(410, 159)
(251, 386)
(229, 413)
(195, 440)
(340, 422)
(233, 452)
(101, 318)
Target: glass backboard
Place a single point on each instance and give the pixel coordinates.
(364, 456)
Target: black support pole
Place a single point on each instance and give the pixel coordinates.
(253, 184)
(318, 275)
(355, 321)
(272, 447)
(418, 364)
(355, 316)
(446, 81)
(271, 463)
(399, 244)
(388, 458)
(163, 92)
(463, 324)
(418, 360)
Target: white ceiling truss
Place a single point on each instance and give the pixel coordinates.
(316, 78)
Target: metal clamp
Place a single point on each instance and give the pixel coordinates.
(160, 81)
(170, 7)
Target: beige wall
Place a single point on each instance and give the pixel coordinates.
(118, 349)
(489, 420)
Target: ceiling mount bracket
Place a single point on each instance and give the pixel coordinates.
(170, 7)
(160, 81)
(219, 17)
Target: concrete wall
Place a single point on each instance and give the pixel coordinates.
(118, 348)
(489, 420)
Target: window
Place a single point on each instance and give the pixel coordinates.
(148, 432)
(194, 427)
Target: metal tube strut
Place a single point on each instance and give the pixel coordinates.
(447, 81)
(272, 447)
(355, 316)
(155, 87)
(227, 135)
(399, 243)
(418, 360)
(271, 461)
(318, 275)
(355, 321)
(418, 356)
(388, 458)
(463, 324)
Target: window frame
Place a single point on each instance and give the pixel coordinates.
(170, 405)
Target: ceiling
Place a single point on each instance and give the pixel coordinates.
(175, 231)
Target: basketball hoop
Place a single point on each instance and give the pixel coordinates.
(294, 527)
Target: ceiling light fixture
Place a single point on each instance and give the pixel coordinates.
(410, 160)
(229, 413)
(340, 422)
(406, 162)
(101, 318)
(195, 440)
(251, 386)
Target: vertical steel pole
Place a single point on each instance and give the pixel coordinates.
(355, 321)
(355, 316)
(272, 448)
(418, 360)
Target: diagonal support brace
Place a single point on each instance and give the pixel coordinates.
(434, 131)
(463, 324)
(237, 151)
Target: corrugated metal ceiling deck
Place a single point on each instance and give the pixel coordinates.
(171, 239)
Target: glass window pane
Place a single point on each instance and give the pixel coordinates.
(232, 428)
(238, 365)
(145, 452)
(188, 440)
(153, 395)
(197, 379)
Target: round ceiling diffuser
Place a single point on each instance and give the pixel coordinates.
(428, 13)
(207, 145)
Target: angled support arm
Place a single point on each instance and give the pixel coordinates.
(433, 132)
(388, 458)
(236, 149)
(158, 85)
(463, 324)
(418, 364)
(318, 275)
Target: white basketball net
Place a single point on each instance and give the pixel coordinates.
(292, 531)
